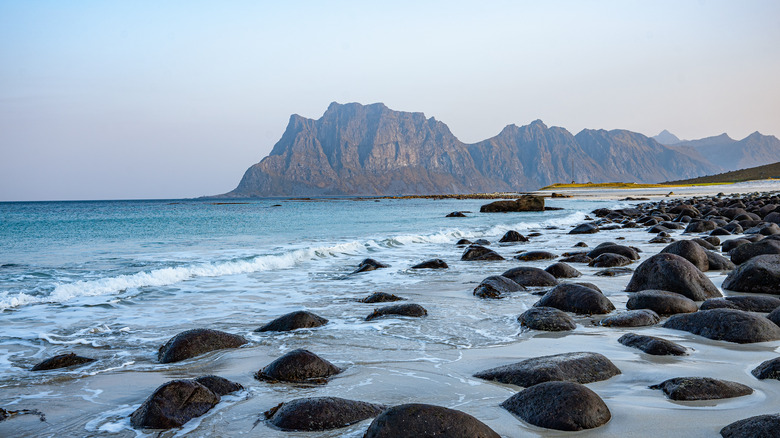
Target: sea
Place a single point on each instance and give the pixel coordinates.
(114, 280)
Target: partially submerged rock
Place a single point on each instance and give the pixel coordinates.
(672, 273)
(581, 367)
(743, 253)
(661, 302)
(611, 248)
(298, 366)
(546, 318)
(652, 345)
(219, 385)
(410, 309)
(294, 321)
(726, 325)
(431, 264)
(631, 318)
(701, 388)
(422, 420)
(369, 265)
(529, 256)
(62, 361)
(195, 342)
(760, 426)
(513, 236)
(748, 303)
(173, 404)
(496, 286)
(575, 298)
(381, 297)
(609, 260)
(587, 228)
(562, 270)
(478, 252)
(769, 369)
(530, 277)
(320, 413)
(559, 405)
(690, 251)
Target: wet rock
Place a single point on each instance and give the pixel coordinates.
(219, 385)
(496, 286)
(585, 229)
(483, 242)
(614, 272)
(513, 236)
(478, 252)
(608, 260)
(690, 251)
(294, 321)
(632, 318)
(625, 251)
(734, 228)
(195, 342)
(298, 366)
(661, 239)
(530, 277)
(62, 361)
(381, 297)
(743, 253)
(562, 270)
(701, 388)
(456, 214)
(581, 367)
(717, 262)
(748, 303)
(720, 231)
(422, 420)
(661, 302)
(760, 274)
(577, 258)
(463, 242)
(369, 265)
(763, 426)
(769, 369)
(547, 319)
(524, 203)
(700, 226)
(672, 273)
(733, 243)
(571, 297)
(320, 413)
(173, 404)
(528, 256)
(765, 229)
(414, 310)
(652, 345)
(774, 316)
(726, 325)
(589, 285)
(706, 244)
(581, 245)
(431, 264)
(559, 405)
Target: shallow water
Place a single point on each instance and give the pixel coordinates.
(115, 280)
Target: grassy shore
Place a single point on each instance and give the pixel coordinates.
(621, 185)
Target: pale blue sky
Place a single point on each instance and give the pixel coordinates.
(150, 99)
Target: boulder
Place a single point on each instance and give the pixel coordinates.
(483, 242)
(690, 251)
(530, 277)
(547, 319)
(559, 405)
(496, 286)
(760, 274)
(632, 318)
(381, 297)
(575, 298)
(293, 321)
(661, 239)
(478, 252)
(431, 264)
(763, 426)
(562, 270)
(369, 265)
(726, 325)
(298, 366)
(672, 273)
(614, 272)
(748, 303)
(320, 413)
(462, 242)
(743, 253)
(421, 420)
(219, 385)
(652, 345)
(609, 260)
(62, 361)
(529, 256)
(587, 228)
(717, 262)
(774, 316)
(414, 310)
(513, 236)
(707, 242)
(661, 302)
(769, 369)
(195, 342)
(577, 258)
(732, 244)
(456, 214)
(581, 367)
(701, 388)
(524, 203)
(173, 404)
(625, 251)
(700, 226)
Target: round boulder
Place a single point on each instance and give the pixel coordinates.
(632, 318)
(62, 361)
(652, 345)
(496, 286)
(609, 260)
(530, 277)
(672, 273)
(513, 236)
(431, 264)
(580, 367)
(753, 427)
(294, 321)
(413, 310)
(173, 404)
(701, 388)
(529, 256)
(611, 248)
(760, 274)
(575, 298)
(745, 252)
(559, 405)
(478, 252)
(726, 325)
(421, 420)
(748, 303)
(369, 265)
(690, 251)
(547, 319)
(298, 366)
(195, 342)
(381, 297)
(562, 270)
(320, 413)
(587, 228)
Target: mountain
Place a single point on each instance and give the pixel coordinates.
(666, 138)
(356, 149)
(754, 150)
(752, 174)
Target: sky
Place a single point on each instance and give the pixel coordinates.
(175, 99)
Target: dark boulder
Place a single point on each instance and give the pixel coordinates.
(609, 260)
(530, 277)
(717, 262)
(369, 265)
(743, 253)
(748, 303)
(219, 385)
(298, 366)
(760, 426)
(173, 404)
(524, 203)
(381, 297)
(706, 244)
(195, 342)
(559, 405)
(578, 367)
(734, 228)
(625, 251)
(701, 388)
(614, 272)
(661, 239)
(483, 242)
(462, 242)
(587, 228)
(769, 369)
(62, 361)
(575, 298)
(529, 256)
(478, 252)
(496, 286)
(652, 345)
(700, 226)
(726, 325)
(320, 413)
(760, 274)
(672, 273)
(421, 420)
(414, 310)
(774, 316)
(513, 236)
(562, 270)
(632, 318)
(294, 321)
(547, 319)
(431, 264)
(720, 232)
(577, 258)
(456, 214)
(732, 244)
(689, 251)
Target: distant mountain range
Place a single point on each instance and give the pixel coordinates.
(356, 149)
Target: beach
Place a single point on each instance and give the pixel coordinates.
(115, 280)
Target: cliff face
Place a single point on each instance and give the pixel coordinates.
(358, 149)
